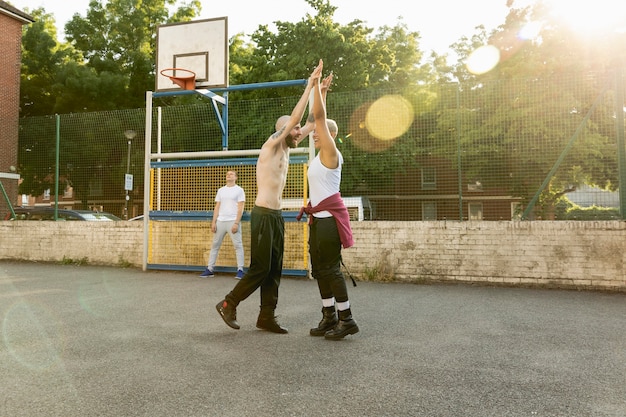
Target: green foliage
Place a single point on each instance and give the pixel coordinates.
(515, 119)
(92, 151)
(382, 271)
(559, 206)
(123, 263)
(107, 62)
(357, 58)
(42, 58)
(594, 213)
(521, 116)
(70, 261)
(36, 155)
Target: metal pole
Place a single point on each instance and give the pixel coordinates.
(619, 128)
(8, 200)
(458, 150)
(147, 180)
(241, 87)
(127, 197)
(564, 153)
(130, 134)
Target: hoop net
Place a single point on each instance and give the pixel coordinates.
(185, 80)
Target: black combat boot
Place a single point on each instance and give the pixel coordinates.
(228, 313)
(267, 321)
(344, 327)
(329, 319)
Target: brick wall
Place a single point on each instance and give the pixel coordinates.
(11, 35)
(106, 243)
(10, 51)
(584, 255)
(547, 254)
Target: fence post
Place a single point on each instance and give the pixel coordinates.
(458, 150)
(619, 132)
(56, 165)
(561, 157)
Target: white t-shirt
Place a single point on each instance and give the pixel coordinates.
(228, 198)
(323, 182)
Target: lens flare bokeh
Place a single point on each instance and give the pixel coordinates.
(374, 126)
(483, 59)
(32, 336)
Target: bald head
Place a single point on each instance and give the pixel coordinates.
(282, 121)
(332, 127)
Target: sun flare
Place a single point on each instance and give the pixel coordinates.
(589, 18)
(483, 59)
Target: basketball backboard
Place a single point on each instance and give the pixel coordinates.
(199, 46)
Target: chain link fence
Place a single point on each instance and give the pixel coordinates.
(544, 148)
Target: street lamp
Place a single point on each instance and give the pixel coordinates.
(128, 178)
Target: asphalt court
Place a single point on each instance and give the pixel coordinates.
(107, 341)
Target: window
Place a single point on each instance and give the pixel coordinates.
(475, 186)
(95, 187)
(516, 211)
(475, 211)
(429, 210)
(429, 178)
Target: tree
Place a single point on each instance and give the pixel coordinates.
(42, 59)
(357, 57)
(519, 118)
(107, 63)
(382, 62)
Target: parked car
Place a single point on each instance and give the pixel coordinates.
(47, 213)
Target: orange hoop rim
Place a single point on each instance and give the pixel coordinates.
(187, 82)
(184, 77)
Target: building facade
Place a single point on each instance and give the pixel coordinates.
(11, 22)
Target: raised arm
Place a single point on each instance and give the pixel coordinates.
(310, 120)
(328, 153)
(298, 111)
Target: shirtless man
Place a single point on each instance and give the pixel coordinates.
(267, 226)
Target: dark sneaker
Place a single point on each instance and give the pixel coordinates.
(239, 274)
(228, 313)
(207, 273)
(270, 324)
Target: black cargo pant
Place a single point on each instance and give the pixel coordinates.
(267, 241)
(325, 251)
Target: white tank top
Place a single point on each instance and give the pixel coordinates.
(323, 182)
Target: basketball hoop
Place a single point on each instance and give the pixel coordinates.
(186, 80)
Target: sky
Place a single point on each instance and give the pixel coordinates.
(440, 23)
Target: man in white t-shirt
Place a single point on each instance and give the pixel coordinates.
(229, 203)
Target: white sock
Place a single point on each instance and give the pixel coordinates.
(343, 306)
(328, 302)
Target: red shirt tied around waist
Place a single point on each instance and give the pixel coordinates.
(335, 206)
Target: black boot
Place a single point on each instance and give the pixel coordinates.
(329, 320)
(267, 321)
(228, 313)
(346, 326)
